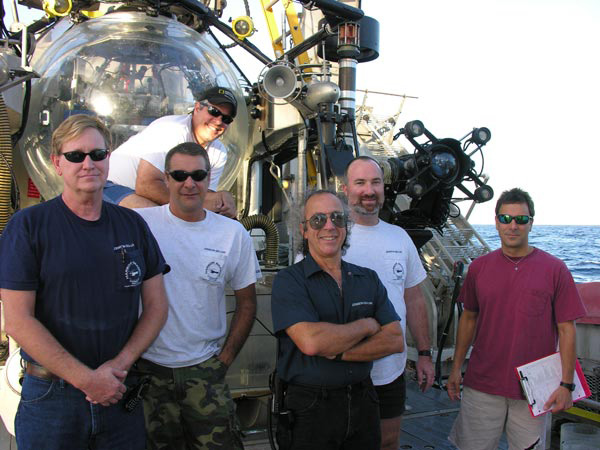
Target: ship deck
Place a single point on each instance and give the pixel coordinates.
(426, 423)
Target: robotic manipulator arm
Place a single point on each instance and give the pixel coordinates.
(428, 177)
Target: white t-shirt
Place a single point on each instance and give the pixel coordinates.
(204, 257)
(153, 143)
(389, 251)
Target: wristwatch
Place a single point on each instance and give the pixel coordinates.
(425, 352)
(569, 386)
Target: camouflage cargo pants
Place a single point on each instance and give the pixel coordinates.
(189, 407)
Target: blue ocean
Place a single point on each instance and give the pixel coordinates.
(578, 246)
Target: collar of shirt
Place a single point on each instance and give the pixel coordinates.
(311, 267)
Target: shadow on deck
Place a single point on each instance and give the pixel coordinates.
(426, 423)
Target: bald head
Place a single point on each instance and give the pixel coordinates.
(361, 160)
(363, 186)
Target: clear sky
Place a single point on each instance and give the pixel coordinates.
(527, 69)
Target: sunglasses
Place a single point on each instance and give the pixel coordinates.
(78, 156)
(521, 219)
(318, 220)
(216, 113)
(182, 175)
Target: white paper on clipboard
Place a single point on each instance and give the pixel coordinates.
(541, 377)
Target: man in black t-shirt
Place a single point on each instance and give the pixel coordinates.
(72, 271)
(332, 319)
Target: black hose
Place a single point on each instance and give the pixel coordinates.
(457, 278)
(252, 160)
(270, 428)
(25, 116)
(265, 223)
(231, 60)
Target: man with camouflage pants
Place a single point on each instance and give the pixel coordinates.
(188, 405)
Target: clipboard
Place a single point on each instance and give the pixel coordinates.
(540, 378)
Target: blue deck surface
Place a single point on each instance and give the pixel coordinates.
(428, 420)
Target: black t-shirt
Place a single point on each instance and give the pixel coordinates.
(306, 293)
(87, 275)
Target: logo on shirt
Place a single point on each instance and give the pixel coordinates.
(133, 273)
(213, 270)
(398, 271)
(355, 304)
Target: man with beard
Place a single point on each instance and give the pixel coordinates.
(389, 251)
(136, 177)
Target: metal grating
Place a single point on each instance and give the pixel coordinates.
(593, 380)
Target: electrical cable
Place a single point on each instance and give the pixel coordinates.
(457, 277)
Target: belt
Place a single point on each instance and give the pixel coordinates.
(158, 370)
(40, 372)
(349, 387)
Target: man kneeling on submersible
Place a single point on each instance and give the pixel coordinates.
(332, 319)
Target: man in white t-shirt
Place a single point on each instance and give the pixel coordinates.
(188, 404)
(389, 251)
(136, 178)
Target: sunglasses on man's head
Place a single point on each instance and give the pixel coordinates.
(77, 156)
(318, 220)
(507, 218)
(182, 175)
(226, 119)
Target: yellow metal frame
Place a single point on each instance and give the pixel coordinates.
(294, 25)
(584, 413)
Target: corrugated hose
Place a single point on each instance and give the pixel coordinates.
(268, 226)
(6, 162)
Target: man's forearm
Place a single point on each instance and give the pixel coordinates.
(464, 337)
(387, 341)
(329, 339)
(566, 341)
(241, 324)
(416, 317)
(151, 321)
(37, 341)
(155, 190)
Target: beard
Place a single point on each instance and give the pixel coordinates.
(358, 208)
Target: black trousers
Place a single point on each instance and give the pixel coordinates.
(344, 418)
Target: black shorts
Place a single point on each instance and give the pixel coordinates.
(392, 398)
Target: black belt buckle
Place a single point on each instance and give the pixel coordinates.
(135, 393)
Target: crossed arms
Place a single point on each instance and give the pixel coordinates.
(361, 340)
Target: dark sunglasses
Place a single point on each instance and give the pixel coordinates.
(521, 219)
(78, 156)
(216, 113)
(318, 220)
(182, 175)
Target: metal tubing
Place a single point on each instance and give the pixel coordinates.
(307, 44)
(205, 13)
(347, 82)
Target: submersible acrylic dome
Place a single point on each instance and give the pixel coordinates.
(128, 69)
